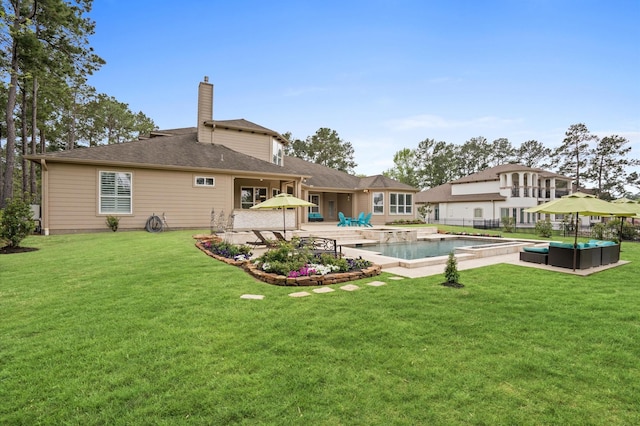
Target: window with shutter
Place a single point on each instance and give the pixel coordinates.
(115, 193)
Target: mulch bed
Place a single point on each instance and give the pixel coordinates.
(10, 250)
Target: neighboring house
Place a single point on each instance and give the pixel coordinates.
(222, 165)
(492, 194)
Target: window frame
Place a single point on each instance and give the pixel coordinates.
(205, 178)
(315, 199)
(277, 152)
(116, 196)
(256, 197)
(377, 209)
(401, 203)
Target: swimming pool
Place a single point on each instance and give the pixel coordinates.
(422, 249)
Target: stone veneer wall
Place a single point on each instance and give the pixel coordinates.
(312, 280)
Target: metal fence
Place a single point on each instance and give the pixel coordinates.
(558, 228)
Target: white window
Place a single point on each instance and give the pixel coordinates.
(115, 193)
(205, 181)
(477, 213)
(378, 202)
(251, 196)
(277, 153)
(400, 203)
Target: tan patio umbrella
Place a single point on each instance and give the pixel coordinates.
(582, 204)
(283, 201)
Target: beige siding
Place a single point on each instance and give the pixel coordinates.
(253, 144)
(73, 198)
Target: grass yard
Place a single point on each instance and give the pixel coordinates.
(138, 328)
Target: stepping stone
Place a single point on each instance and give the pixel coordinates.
(396, 278)
(300, 294)
(350, 287)
(252, 296)
(323, 290)
(376, 283)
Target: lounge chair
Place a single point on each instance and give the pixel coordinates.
(279, 236)
(343, 220)
(359, 221)
(262, 241)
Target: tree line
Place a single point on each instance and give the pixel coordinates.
(602, 164)
(45, 61)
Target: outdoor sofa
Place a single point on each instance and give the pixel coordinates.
(610, 251)
(588, 255)
(535, 255)
(315, 217)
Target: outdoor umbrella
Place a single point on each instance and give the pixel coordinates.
(283, 201)
(629, 204)
(581, 204)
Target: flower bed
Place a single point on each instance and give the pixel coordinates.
(289, 264)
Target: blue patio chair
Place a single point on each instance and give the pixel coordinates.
(364, 220)
(343, 220)
(360, 220)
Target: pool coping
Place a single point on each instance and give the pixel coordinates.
(506, 246)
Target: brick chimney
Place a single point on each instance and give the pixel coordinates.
(205, 111)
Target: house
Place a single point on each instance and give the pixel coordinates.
(219, 167)
(482, 199)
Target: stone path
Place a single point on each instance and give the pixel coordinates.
(322, 290)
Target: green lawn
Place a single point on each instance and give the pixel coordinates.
(138, 328)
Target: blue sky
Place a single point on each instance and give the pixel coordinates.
(384, 74)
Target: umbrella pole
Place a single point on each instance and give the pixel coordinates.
(284, 222)
(621, 227)
(575, 245)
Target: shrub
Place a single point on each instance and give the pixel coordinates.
(599, 231)
(508, 223)
(544, 228)
(113, 222)
(451, 273)
(613, 228)
(228, 250)
(16, 222)
(293, 260)
(611, 231)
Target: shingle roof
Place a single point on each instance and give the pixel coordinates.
(442, 193)
(321, 176)
(182, 152)
(494, 172)
(179, 149)
(325, 177)
(383, 182)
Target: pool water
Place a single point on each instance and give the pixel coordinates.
(421, 249)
